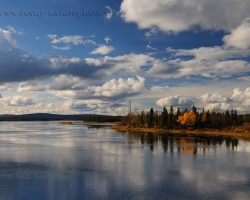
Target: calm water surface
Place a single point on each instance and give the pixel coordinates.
(47, 160)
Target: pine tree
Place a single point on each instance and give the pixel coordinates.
(142, 118)
(194, 109)
(171, 116)
(151, 118)
(164, 117)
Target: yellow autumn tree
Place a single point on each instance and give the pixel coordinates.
(188, 118)
(204, 117)
(134, 119)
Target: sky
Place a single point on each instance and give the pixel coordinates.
(76, 57)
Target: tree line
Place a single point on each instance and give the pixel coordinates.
(103, 118)
(187, 118)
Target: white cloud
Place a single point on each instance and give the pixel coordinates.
(240, 100)
(240, 37)
(244, 78)
(16, 101)
(159, 88)
(103, 50)
(130, 63)
(239, 95)
(149, 47)
(214, 98)
(61, 62)
(209, 53)
(176, 101)
(7, 86)
(109, 13)
(6, 40)
(152, 32)
(65, 82)
(107, 39)
(218, 106)
(82, 104)
(38, 38)
(67, 47)
(41, 105)
(70, 39)
(114, 89)
(30, 86)
(179, 15)
(50, 105)
(211, 62)
(13, 30)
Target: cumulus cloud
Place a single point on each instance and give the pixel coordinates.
(239, 95)
(17, 66)
(244, 78)
(30, 86)
(130, 63)
(159, 88)
(82, 104)
(7, 86)
(240, 100)
(211, 62)
(214, 98)
(176, 101)
(176, 15)
(103, 50)
(239, 37)
(50, 105)
(114, 89)
(16, 101)
(209, 53)
(41, 105)
(65, 82)
(218, 106)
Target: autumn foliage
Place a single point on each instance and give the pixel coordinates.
(188, 118)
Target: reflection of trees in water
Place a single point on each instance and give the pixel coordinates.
(185, 143)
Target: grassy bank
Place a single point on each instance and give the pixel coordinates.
(239, 132)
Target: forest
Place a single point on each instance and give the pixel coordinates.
(103, 118)
(188, 118)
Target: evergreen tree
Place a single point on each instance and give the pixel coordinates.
(147, 119)
(142, 118)
(194, 109)
(171, 116)
(151, 118)
(164, 117)
(156, 119)
(178, 113)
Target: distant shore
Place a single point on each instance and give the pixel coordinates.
(236, 132)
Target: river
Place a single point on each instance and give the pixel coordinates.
(48, 160)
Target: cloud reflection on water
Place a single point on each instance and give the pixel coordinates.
(55, 161)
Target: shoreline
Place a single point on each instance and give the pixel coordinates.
(245, 135)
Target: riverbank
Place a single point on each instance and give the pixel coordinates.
(239, 132)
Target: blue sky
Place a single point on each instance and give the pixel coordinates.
(94, 56)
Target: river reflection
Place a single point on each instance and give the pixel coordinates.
(182, 142)
(47, 160)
